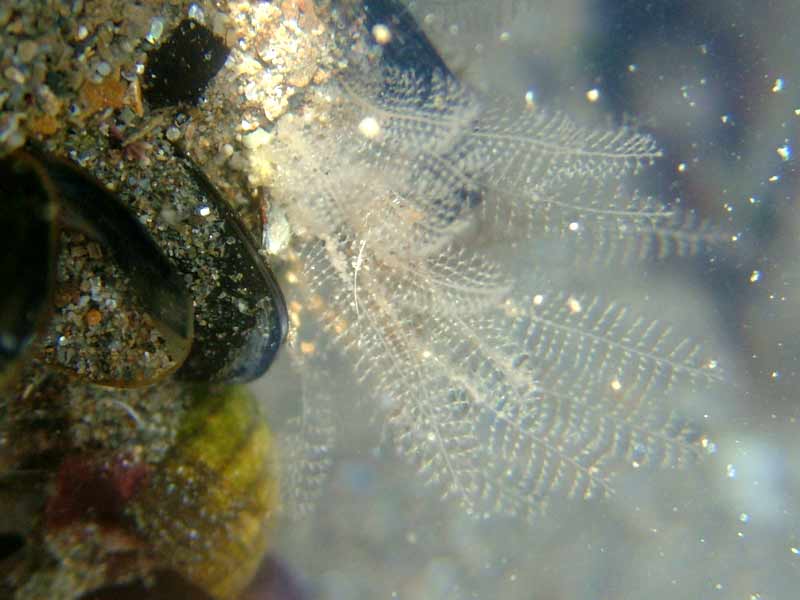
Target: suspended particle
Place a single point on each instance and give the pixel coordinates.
(369, 128)
(530, 100)
(708, 445)
(382, 34)
(574, 305)
(785, 152)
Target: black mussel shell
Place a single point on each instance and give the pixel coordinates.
(28, 245)
(245, 320)
(179, 70)
(409, 47)
(232, 335)
(158, 285)
(224, 317)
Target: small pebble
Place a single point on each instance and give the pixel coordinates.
(14, 74)
(196, 13)
(173, 134)
(256, 139)
(156, 29)
(93, 317)
(104, 69)
(10, 134)
(26, 51)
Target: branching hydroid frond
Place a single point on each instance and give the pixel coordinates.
(501, 400)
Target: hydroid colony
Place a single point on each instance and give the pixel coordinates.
(401, 186)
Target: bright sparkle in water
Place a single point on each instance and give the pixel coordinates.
(785, 152)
